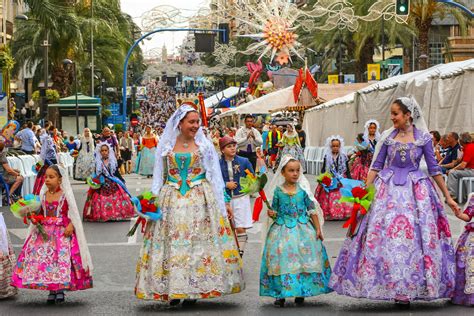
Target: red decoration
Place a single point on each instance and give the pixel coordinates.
(326, 181)
(311, 84)
(257, 209)
(298, 85)
(359, 192)
(202, 110)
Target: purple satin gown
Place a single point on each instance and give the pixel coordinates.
(403, 249)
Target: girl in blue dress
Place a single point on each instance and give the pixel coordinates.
(294, 261)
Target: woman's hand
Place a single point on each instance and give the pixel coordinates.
(453, 205)
(230, 213)
(69, 230)
(319, 234)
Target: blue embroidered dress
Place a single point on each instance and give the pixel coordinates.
(191, 252)
(294, 261)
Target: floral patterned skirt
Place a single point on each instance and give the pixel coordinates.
(295, 151)
(191, 253)
(464, 291)
(108, 203)
(85, 165)
(403, 248)
(147, 161)
(360, 167)
(7, 261)
(51, 265)
(329, 202)
(294, 263)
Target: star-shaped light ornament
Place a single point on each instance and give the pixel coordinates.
(277, 33)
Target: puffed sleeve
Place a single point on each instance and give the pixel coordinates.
(433, 168)
(380, 159)
(310, 206)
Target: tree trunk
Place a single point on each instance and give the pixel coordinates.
(366, 57)
(423, 37)
(62, 79)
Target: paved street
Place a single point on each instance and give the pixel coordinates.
(114, 256)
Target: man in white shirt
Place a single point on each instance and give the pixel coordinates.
(248, 139)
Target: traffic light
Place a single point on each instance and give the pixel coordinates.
(224, 36)
(402, 7)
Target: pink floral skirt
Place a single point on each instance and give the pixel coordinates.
(360, 169)
(52, 265)
(329, 202)
(108, 203)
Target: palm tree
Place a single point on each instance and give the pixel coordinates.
(69, 32)
(422, 14)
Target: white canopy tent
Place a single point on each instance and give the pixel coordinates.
(222, 95)
(445, 93)
(264, 104)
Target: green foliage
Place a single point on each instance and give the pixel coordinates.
(51, 94)
(118, 128)
(6, 60)
(106, 113)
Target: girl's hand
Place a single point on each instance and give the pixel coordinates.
(453, 205)
(271, 213)
(69, 230)
(319, 234)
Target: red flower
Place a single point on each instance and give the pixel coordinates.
(96, 180)
(326, 181)
(359, 192)
(147, 207)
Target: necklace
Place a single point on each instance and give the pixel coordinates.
(405, 132)
(185, 145)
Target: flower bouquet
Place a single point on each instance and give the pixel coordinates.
(146, 206)
(37, 167)
(26, 209)
(361, 197)
(251, 184)
(95, 181)
(327, 181)
(74, 153)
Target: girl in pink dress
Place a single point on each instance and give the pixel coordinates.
(61, 262)
(112, 201)
(336, 163)
(365, 150)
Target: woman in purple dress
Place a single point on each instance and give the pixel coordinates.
(402, 250)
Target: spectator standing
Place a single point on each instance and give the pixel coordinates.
(126, 150)
(301, 135)
(248, 139)
(463, 169)
(28, 139)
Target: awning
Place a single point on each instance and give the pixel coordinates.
(221, 96)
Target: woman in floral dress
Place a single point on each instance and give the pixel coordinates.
(85, 162)
(403, 249)
(191, 252)
(112, 201)
(147, 154)
(290, 144)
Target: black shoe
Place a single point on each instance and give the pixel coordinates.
(241, 253)
(51, 298)
(280, 302)
(189, 302)
(60, 297)
(299, 300)
(174, 302)
(402, 304)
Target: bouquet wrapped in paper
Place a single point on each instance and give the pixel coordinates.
(27, 209)
(251, 184)
(360, 197)
(37, 167)
(327, 181)
(74, 153)
(95, 181)
(146, 206)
